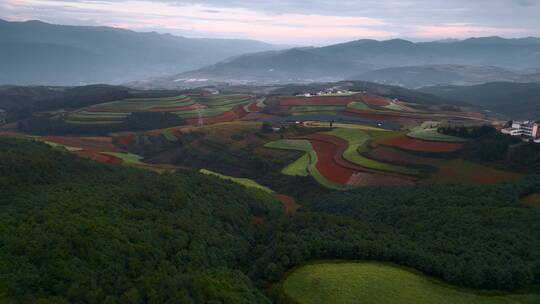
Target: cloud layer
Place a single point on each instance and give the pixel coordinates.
(314, 22)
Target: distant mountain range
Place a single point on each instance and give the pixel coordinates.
(35, 52)
(515, 100)
(356, 58)
(430, 75)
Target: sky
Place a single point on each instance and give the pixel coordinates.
(298, 22)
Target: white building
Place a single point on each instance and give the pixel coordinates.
(530, 129)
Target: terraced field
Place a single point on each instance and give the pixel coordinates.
(428, 131)
(357, 145)
(246, 182)
(310, 160)
(212, 109)
(381, 283)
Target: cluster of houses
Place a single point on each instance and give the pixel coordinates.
(528, 130)
(324, 93)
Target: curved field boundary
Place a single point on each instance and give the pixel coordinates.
(374, 100)
(357, 142)
(313, 164)
(333, 167)
(417, 145)
(246, 182)
(432, 134)
(383, 283)
(299, 167)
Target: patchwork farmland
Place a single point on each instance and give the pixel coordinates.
(332, 142)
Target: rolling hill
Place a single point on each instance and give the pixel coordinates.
(430, 75)
(515, 100)
(35, 52)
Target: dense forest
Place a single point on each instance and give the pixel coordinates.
(75, 231)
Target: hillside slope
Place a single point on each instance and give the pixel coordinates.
(430, 75)
(346, 60)
(515, 100)
(35, 52)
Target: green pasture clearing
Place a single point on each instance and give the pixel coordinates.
(394, 107)
(318, 109)
(169, 135)
(383, 283)
(224, 100)
(428, 131)
(358, 105)
(298, 167)
(434, 135)
(55, 145)
(261, 103)
(304, 145)
(145, 104)
(127, 158)
(358, 143)
(246, 182)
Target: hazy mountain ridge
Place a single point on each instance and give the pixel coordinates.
(35, 52)
(430, 75)
(345, 60)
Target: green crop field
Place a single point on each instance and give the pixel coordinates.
(358, 105)
(358, 141)
(428, 131)
(317, 109)
(246, 182)
(311, 167)
(298, 167)
(127, 158)
(381, 283)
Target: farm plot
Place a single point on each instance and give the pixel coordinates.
(246, 182)
(448, 171)
(357, 145)
(374, 100)
(383, 283)
(417, 145)
(428, 131)
(301, 110)
(312, 166)
(319, 100)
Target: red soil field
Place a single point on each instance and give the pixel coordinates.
(289, 202)
(406, 143)
(389, 154)
(125, 139)
(318, 101)
(107, 110)
(175, 109)
(374, 100)
(85, 143)
(225, 117)
(358, 176)
(253, 107)
(99, 157)
(326, 164)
